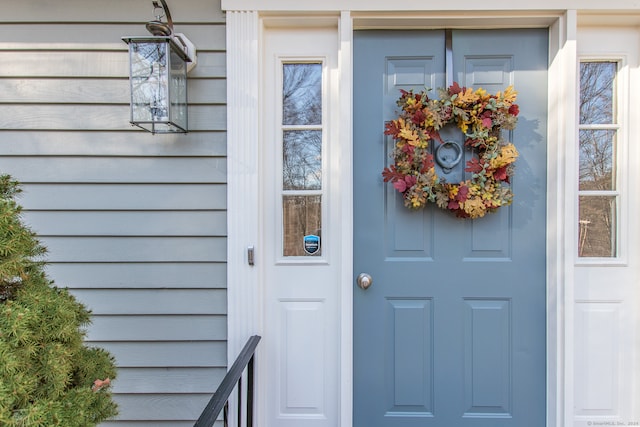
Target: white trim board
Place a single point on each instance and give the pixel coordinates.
(490, 6)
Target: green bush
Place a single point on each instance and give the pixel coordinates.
(47, 373)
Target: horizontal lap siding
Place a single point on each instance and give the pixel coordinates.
(135, 224)
(152, 170)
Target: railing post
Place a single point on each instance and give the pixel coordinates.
(240, 401)
(250, 393)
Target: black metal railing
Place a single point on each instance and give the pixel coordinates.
(220, 398)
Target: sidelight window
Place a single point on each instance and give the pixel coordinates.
(599, 151)
(302, 158)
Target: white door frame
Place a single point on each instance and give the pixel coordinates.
(245, 282)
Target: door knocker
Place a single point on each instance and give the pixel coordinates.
(448, 155)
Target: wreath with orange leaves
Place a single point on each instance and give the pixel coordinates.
(481, 117)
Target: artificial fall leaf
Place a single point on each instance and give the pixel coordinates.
(391, 174)
(400, 185)
(410, 136)
(442, 199)
(452, 190)
(392, 128)
(474, 207)
(455, 88)
(468, 96)
(482, 94)
(453, 205)
(509, 153)
(509, 95)
(463, 191)
(418, 117)
(474, 166)
(435, 135)
(427, 163)
(501, 174)
(417, 200)
(411, 104)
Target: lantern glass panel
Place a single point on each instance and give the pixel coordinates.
(178, 90)
(158, 86)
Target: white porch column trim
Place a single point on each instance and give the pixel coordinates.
(345, 64)
(244, 299)
(568, 208)
(561, 214)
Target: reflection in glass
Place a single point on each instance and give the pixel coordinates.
(301, 217)
(597, 236)
(302, 160)
(178, 90)
(149, 80)
(596, 92)
(158, 86)
(302, 94)
(597, 154)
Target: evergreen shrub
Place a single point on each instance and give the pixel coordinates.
(48, 375)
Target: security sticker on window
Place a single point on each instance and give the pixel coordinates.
(311, 244)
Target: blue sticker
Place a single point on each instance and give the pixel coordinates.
(311, 244)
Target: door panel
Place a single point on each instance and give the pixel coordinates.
(452, 331)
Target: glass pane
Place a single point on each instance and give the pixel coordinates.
(597, 159)
(149, 81)
(302, 90)
(597, 237)
(596, 92)
(302, 160)
(178, 90)
(302, 225)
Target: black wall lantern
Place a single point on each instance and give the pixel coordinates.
(158, 75)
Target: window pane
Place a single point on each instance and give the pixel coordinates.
(596, 92)
(302, 222)
(302, 89)
(597, 159)
(302, 160)
(597, 237)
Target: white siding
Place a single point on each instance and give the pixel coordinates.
(135, 224)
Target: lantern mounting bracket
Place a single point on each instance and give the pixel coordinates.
(165, 29)
(157, 27)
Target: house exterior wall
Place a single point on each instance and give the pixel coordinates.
(135, 223)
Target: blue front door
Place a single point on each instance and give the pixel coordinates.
(451, 332)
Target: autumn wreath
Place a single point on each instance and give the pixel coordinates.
(480, 117)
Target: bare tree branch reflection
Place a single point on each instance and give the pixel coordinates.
(302, 160)
(597, 148)
(302, 94)
(596, 92)
(597, 160)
